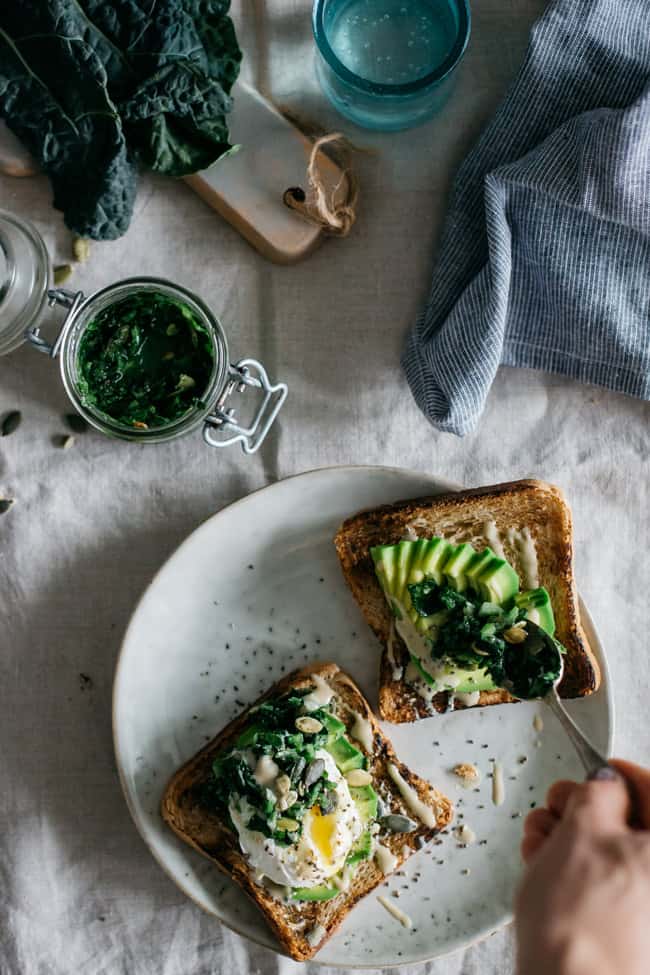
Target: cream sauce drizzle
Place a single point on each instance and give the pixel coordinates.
(498, 784)
(524, 545)
(411, 798)
(316, 935)
(361, 730)
(494, 538)
(390, 651)
(393, 909)
(385, 859)
(342, 882)
(321, 696)
(469, 699)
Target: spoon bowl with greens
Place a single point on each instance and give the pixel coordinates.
(533, 670)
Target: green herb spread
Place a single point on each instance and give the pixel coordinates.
(145, 360)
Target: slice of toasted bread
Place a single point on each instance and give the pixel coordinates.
(488, 516)
(302, 928)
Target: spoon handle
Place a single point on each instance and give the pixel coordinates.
(590, 757)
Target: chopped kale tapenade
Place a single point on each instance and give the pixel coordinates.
(144, 361)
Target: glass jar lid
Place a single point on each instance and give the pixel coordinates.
(24, 279)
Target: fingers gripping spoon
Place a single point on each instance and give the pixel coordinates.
(534, 669)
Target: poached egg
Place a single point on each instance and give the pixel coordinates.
(320, 851)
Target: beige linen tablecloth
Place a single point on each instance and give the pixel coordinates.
(79, 892)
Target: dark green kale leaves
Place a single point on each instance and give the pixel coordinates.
(95, 89)
(272, 731)
(471, 635)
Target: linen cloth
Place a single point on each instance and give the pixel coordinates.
(544, 260)
(79, 891)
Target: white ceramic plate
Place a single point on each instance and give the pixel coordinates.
(257, 591)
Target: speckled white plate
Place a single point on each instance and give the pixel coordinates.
(257, 591)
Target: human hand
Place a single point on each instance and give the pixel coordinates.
(583, 906)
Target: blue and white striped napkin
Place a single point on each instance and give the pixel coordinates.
(545, 256)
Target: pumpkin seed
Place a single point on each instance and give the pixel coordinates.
(397, 823)
(76, 422)
(310, 726)
(515, 634)
(358, 776)
(287, 801)
(64, 441)
(282, 784)
(289, 825)
(328, 802)
(81, 249)
(11, 422)
(314, 771)
(62, 273)
(5, 505)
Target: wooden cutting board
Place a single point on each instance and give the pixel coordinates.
(246, 187)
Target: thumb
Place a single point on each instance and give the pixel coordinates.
(600, 805)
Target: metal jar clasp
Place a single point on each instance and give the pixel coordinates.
(55, 296)
(247, 373)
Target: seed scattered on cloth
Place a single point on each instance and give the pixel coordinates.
(11, 422)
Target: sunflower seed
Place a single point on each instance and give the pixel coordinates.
(314, 771)
(297, 769)
(5, 505)
(383, 809)
(310, 726)
(76, 422)
(11, 422)
(397, 823)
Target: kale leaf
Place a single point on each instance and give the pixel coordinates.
(96, 89)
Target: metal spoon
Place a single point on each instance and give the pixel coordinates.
(538, 641)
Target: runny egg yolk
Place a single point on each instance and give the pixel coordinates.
(321, 830)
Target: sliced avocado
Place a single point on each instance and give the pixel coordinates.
(384, 557)
(455, 566)
(366, 801)
(405, 551)
(425, 675)
(321, 893)
(478, 565)
(345, 755)
(537, 604)
(474, 680)
(426, 623)
(335, 728)
(362, 849)
(419, 551)
(499, 582)
(470, 679)
(435, 555)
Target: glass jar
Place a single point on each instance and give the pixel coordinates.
(24, 279)
(388, 64)
(24, 260)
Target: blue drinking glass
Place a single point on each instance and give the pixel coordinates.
(388, 64)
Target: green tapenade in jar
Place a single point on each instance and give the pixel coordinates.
(144, 361)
